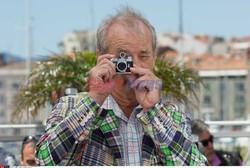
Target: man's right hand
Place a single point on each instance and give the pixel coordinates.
(101, 75)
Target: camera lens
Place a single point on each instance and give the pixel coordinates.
(121, 66)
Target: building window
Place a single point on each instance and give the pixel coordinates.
(239, 100)
(207, 88)
(73, 49)
(207, 101)
(239, 87)
(2, 113)
(71, 39)
(239, 112)
(2, 99)
(15, 85)
(222, 87)
(1, 84)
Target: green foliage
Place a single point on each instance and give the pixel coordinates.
(55, 73)
(244, 152)
(179, 83)
(59, 72)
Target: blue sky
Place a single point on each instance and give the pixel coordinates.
(51, 19)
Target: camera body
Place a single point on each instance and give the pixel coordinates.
(70, 91)
(123, 64)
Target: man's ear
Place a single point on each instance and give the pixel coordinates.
(98, 53)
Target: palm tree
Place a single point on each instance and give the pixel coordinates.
(53, 74)
(179, 83)
(60, 71)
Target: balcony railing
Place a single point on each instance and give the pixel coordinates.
(245, 132)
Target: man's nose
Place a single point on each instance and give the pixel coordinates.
(136, 61)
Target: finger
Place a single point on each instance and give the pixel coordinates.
(131, 82)
(112, 68)
(109, 63)
(134, 65)
(105, 73)
(103, 61)
(141, 85)
(139, 70)
(107, 56)
(149, 84)
(109, 71)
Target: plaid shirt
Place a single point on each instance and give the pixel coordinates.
(130, 131)
(79, 132)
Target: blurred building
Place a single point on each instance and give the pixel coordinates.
(225, 94)
(6, 58)
(78, 41)
(218, 46)
(239, 46)
(224, 67)
(167, 53)
(186, 43)
(11, 76)
(194, 44)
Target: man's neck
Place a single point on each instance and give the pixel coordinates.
(126, 101)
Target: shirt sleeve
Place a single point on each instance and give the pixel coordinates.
(70, 122)
(170, 131)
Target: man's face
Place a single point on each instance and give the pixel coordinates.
(209, 148)
(136, 42)
(28, 156)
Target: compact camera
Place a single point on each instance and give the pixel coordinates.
(123, 64)
(70, 91)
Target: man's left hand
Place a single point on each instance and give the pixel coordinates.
(146, 86)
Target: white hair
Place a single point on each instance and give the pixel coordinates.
(131, 17)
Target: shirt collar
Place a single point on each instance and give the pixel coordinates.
(110, 103)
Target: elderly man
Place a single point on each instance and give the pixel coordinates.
(215, 158)
(125, 125)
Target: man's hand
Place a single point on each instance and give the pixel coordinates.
(146, 85)
(101, 77)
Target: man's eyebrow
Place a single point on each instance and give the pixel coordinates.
(145, 52)
(118, 50)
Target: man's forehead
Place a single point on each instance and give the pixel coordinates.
(117, 27)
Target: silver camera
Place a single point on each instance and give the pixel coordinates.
(70, 91)
(123, 64)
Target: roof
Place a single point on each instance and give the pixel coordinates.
(14, 65)
(14, 68)
(219, 62)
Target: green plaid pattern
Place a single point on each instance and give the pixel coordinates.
(171, 130)
(44, 153)
(108, 126)
(79, 132)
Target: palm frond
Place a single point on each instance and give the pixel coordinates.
(55, 73)
(178, 82)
